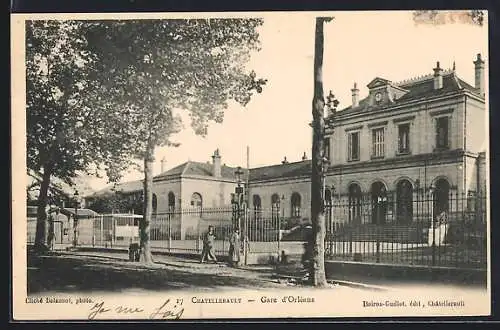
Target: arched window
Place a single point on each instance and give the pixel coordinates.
(354, 203)
(275, 205)
(295, 204)
(257, 206)
(379, 202)
(171, 201)
(197, 202)
(404, 201)
(441, 197)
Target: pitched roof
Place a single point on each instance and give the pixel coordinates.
(82, 213)
(419, 88)
(197, 168)
(281, 170)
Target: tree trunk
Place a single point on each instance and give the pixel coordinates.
(41, 218)
(316, 245)
(145, 255)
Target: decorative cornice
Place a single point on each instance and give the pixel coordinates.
(380, 123)
(340, 117)
(434, 158)
(208, 178)
(441, 112)
(402, 119)
(354, 128)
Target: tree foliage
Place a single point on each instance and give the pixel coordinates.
(64, 130)
(66, 133)
(149, 69)
(115, 203)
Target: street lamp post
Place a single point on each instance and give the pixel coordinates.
(239, 194)
(238, 204)
(325, 162)
(330, 217)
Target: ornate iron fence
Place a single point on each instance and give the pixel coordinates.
(421, 229)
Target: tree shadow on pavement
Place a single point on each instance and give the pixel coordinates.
(89, 273)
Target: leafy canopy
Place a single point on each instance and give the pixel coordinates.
(66, 133)
(148, 69)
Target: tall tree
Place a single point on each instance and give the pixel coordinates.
(65, 133)
(151, 68)
(315, 247)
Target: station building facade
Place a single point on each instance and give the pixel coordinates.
(403, 138)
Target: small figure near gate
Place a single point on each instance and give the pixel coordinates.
(234, 248)
(208, 246)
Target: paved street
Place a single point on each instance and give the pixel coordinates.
(112, 272)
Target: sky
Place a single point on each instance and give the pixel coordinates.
(359, 46)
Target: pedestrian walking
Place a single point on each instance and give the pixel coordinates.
(234, 248)
(208, 246)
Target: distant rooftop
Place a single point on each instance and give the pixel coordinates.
(196, 168)
(420, 87)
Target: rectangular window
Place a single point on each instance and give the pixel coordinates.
(404, 138)
(378, 145)
(442, 133)
(353, 146)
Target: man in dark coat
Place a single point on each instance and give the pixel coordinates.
(208, 251)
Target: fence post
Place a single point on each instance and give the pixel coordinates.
(245, 235)
(198, 237)
(279, 232)
(112, 230)
(169, 221)
(378, 231)
(433, 225)
(101, 221)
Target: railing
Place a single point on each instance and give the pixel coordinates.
(365, 229)
(369, 231)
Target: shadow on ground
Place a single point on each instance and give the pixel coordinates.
(76, 273)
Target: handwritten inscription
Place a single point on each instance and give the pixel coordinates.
(167, 310)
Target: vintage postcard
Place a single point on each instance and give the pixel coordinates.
(250, 165)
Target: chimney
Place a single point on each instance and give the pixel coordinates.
(479, 74)
(284, 161)
(304, 157)
(216, 164)
(438, 77)
(162, 165)
(355, 96)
